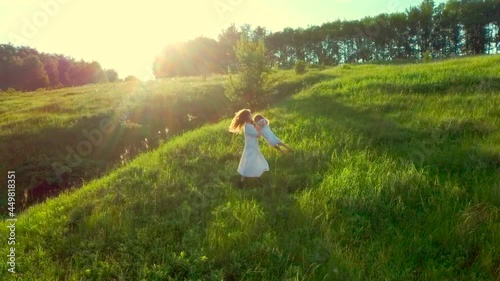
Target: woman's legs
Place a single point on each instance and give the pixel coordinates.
(240, 183)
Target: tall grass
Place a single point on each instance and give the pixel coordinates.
(394, 176)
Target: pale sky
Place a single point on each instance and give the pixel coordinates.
(126, 35)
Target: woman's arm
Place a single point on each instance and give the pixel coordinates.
(252, 131)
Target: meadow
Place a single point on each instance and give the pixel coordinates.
(61, 139)
(394, 176)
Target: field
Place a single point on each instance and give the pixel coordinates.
(395, 175)
(61, 139)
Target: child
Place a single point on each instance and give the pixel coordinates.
(252, 162)
(270, 137)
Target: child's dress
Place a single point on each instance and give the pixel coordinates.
(270, 137)
(252, 162)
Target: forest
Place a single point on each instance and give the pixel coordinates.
(424, 32)
(26, 69)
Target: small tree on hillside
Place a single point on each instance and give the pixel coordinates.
(131, 78)
(31, 74)
(247, 87)
(112, 75)
(300, 67)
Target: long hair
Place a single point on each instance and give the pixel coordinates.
(240, 118)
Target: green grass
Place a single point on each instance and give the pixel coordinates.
(38, 128)
(394, 176)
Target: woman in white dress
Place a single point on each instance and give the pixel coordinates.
(252, 163)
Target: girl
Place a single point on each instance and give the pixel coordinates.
(252, 163)
(270, 137)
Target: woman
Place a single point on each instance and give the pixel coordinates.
(252, 163)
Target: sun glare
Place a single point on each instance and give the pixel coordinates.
(125, 38)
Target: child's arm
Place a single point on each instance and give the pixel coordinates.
(259, 131)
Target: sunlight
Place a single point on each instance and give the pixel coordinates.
(126, 40)
(382, 160)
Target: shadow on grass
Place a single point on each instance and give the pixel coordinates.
(285, 89)
(460, 84)
(442, 152)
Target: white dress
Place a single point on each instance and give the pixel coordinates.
(252, 162)
(270, 137)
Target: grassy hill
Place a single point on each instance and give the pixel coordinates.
(395, 176)
(44, 131)
(55, 139)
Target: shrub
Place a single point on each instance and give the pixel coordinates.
(131, 78)
(427, 56)
(247, 87)
(300, 67)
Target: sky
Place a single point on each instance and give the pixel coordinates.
(126, 35)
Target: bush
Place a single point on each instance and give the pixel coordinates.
(131, 78)
(300, 67)
(427, 56)
(247, 87)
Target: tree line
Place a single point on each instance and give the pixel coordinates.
(26, 69)
(426, 31)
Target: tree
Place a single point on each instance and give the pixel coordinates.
(64, 65)
(131, 78)
(227, 42)
(458, 27)
(8, 62)
(332, 42)
(51, 68)
(473, 15)
(300, 67)
(200, 56)
(315, 50)
(278, 49)
(453, 27)
(400, 46)
(112, 75)
(426, 25)
(31, 75)
(247, 86)
(259, 33)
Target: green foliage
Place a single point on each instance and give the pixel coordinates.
(131, 78)
(200, 56)
(450, 29)
(427, 56)
(300, 67)
(32, 74)
(111, 75)
(247, 86)
(26, 69)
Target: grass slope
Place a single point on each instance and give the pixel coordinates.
(395, 176)
(37, 128)
(45, 134)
